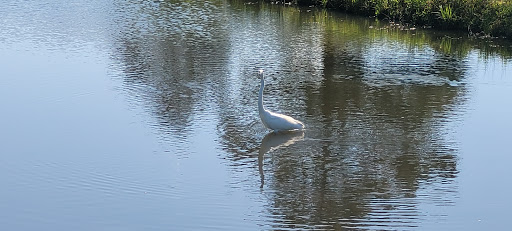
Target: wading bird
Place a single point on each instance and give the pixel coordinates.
(275, 121)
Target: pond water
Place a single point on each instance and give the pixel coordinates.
(142, 115)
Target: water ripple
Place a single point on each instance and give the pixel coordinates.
(382, 109)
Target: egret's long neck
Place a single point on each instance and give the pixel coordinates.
(260, 96)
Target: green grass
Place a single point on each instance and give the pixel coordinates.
(484, 17)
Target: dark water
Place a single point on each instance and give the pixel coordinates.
(142, 115)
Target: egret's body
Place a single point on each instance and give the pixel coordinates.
(272, 120)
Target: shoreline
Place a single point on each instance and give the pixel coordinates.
(476, 17)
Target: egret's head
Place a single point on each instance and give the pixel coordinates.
(260, 74)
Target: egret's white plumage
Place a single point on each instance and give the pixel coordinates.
(272, 120)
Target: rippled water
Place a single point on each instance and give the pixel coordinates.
(142, 115)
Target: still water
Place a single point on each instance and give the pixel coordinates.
(142, 115)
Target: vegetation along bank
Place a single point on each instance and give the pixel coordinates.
(478, 17)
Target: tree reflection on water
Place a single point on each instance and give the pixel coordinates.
(379, 104)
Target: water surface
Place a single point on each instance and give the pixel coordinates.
(129, 115)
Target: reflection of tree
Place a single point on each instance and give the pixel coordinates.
(374, 149)
(163, 51)
(370, 143)
(375, 134)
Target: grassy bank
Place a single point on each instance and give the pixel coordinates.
(484, 17)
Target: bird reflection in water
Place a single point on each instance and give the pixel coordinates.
(273, 141)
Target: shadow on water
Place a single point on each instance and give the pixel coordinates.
(379, 102)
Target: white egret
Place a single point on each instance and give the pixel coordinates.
(272, 120)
